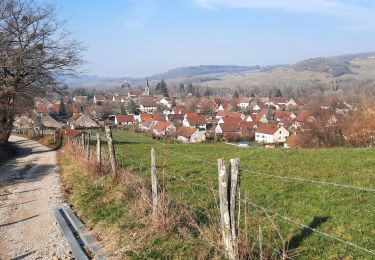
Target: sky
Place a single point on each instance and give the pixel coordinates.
(139, 38)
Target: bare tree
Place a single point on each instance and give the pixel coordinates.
(34, 48)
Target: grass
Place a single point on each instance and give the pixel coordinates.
(348, 214)
(121, 220)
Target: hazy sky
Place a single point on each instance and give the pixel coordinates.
(144, 37)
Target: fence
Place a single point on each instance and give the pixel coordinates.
(229, 200)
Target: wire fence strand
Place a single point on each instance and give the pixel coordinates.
(285, 218)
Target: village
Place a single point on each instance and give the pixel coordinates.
(264, 120)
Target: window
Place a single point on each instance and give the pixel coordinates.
(279, 132)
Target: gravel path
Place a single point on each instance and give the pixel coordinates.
(29, 190)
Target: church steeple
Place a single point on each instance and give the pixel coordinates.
(147, 89)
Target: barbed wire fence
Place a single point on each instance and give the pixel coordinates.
(170, 175)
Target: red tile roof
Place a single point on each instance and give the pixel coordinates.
(186, 132)
(196, 119)
(125, 118)
(42, 109)
(161, 125)
(226, 113)
(269, 129)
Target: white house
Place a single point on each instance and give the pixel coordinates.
(244, 102)
(271, 133)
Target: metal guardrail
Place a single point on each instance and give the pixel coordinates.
(77, 235)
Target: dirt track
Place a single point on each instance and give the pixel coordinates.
(29, 190)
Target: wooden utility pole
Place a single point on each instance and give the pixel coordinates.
(224, 210)
(112, 154)
(154, 181)
(98, 152)
(234, 181)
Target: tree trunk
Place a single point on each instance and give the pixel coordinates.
(6, 119)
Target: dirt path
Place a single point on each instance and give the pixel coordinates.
(29, 190)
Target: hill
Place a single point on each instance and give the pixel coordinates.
(187, 72)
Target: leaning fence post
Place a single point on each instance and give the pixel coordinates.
(234, 185)
(112, 153)
(154, 181)
(98, 152)
(224, 210)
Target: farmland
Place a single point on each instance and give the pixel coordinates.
(190, 172)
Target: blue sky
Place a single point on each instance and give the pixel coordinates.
(144, 37)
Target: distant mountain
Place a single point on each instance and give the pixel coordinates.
(187, 72)
(336, 66)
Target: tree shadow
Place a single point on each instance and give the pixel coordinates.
(296, 241)
(24, 255)
(15, 222)
(16, 204)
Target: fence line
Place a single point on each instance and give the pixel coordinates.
(338, 185)
(285, 218)
(312, 229)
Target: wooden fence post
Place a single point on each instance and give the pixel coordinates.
(234, 185)
(88, 146)
(224, 210)
(83, 141)
(112, 153)
(154, 181)
(98, 152)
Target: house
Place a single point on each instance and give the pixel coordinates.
(147, 105)
(41, 110)
(189, 135)
(166, 101)
(80, 99)
(232, 120)
(241, 128)
(83, 121)
(50, 123)
(134, 94)
(279, 100)
(175, 118)
(226, 113)
(124, 119)
(304, 116)
(180, 110)
(271, 133)
(74, 109)
(294, 102)
(99, 99)
(163, 128)
(244, 102)
(196, 121)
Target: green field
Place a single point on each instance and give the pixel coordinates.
(345, 213)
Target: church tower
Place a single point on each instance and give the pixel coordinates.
(147, 89)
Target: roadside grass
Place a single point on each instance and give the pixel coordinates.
(190, 173)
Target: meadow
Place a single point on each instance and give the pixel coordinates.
(272, 180)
